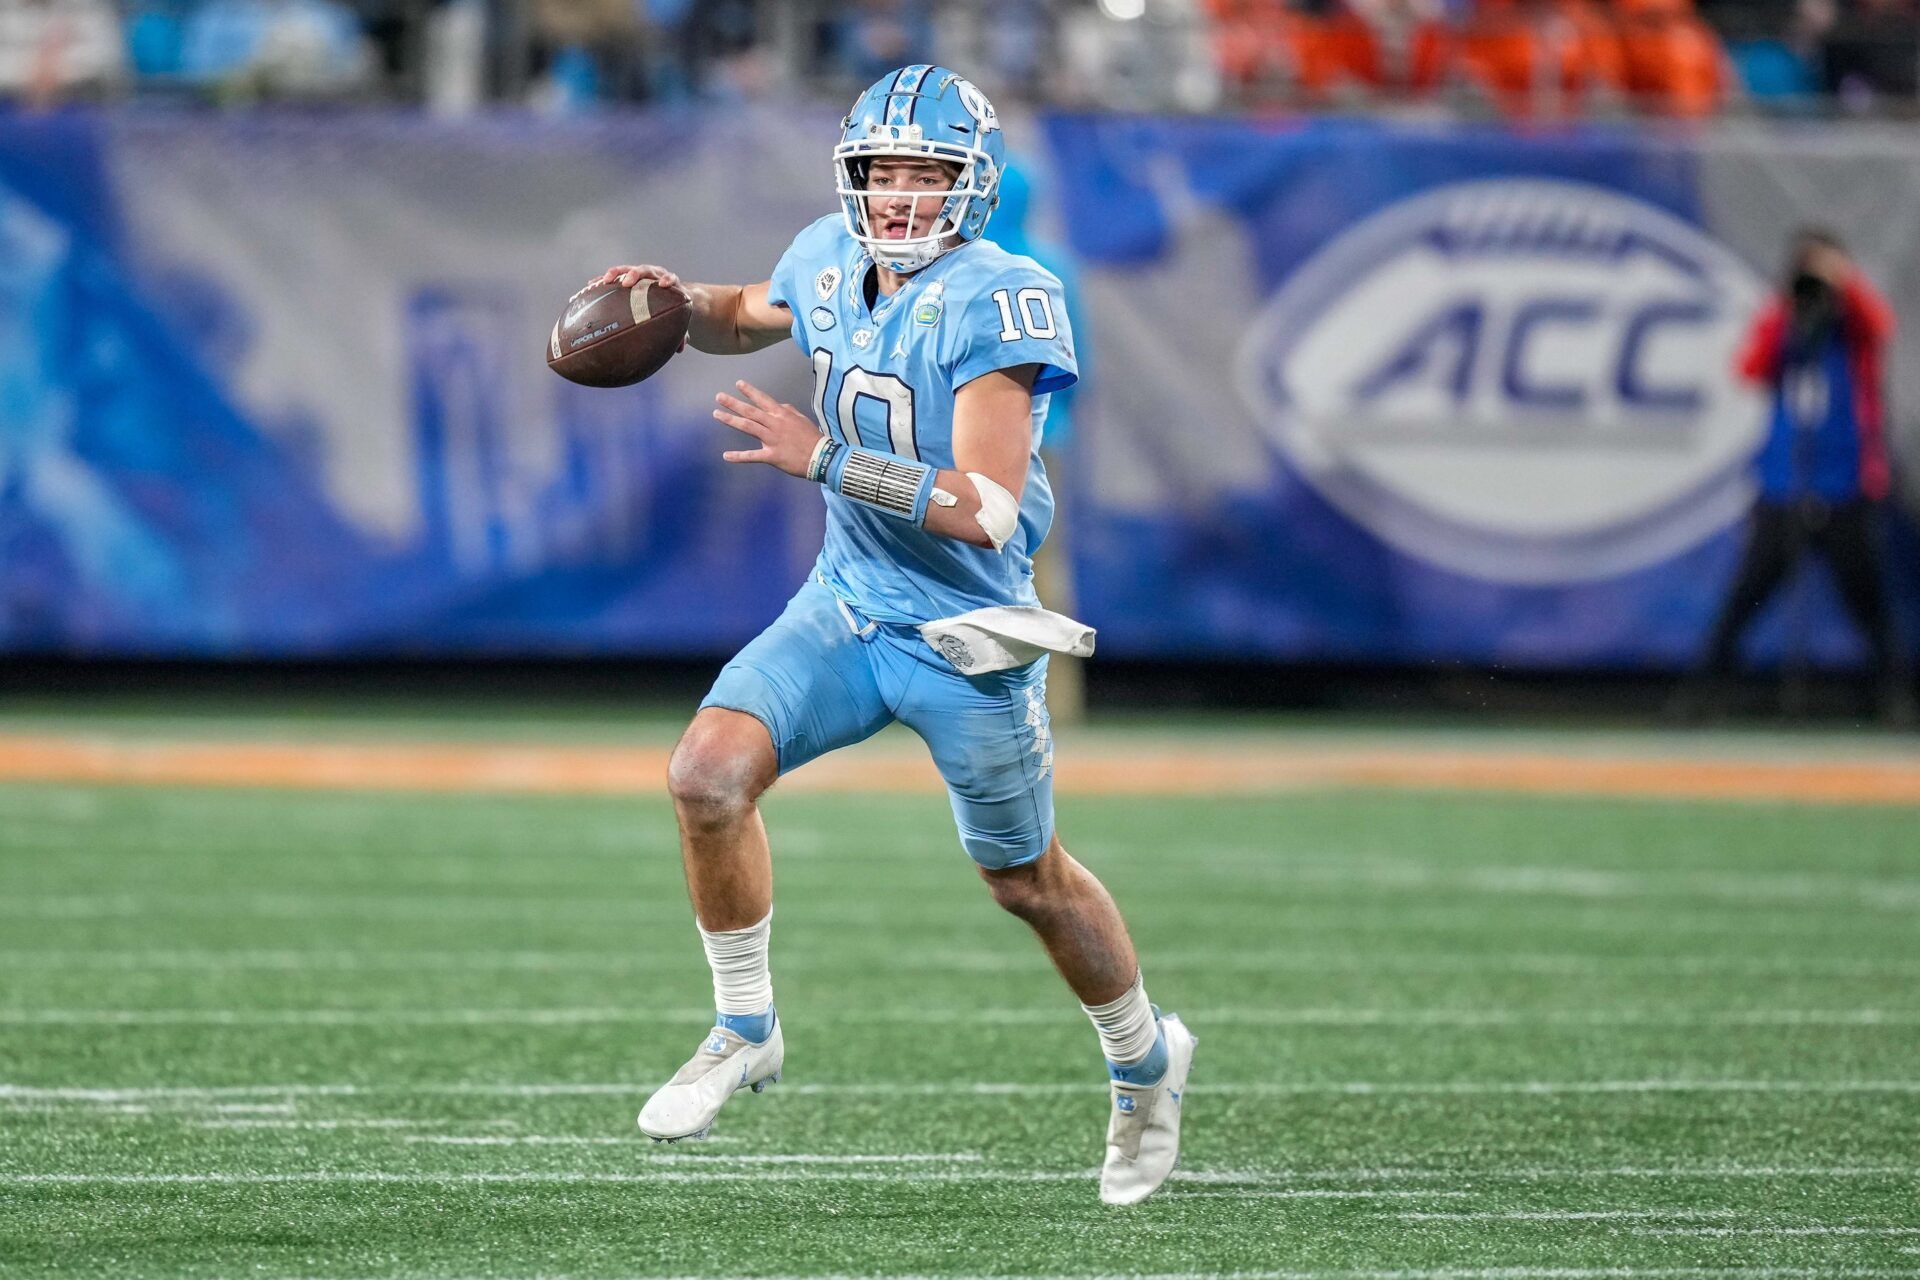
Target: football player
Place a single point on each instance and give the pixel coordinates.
(934, 352)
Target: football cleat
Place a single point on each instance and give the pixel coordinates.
(1143, 1134)
(684, 1107)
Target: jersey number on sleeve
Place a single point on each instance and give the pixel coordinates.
(1034, 318)
(890, 391)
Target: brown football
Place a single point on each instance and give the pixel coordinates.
(613, 336)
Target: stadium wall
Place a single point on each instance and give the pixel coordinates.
(1358, 392)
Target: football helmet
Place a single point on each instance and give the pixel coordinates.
(924, 112)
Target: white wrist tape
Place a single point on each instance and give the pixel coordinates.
(999, 513)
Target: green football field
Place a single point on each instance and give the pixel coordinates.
(1444, 1034)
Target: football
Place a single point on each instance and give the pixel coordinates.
(613, 336)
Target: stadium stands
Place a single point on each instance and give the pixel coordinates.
(1515, 59)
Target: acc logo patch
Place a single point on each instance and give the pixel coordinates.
(826, 282)
(1523, 380)
(821, 317)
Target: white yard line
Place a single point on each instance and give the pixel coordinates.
(820, 1174)
(1568, 1215)
(1482, 1273)
(1324, 1193)
(1548, 1088)
(1776, 1231)
(1477, 1273)
(1620, 894)
(562, 1177)
(1212, 1177)
(1568, 964)
(1319, 1017)
(643, 1147)
(370, 1123)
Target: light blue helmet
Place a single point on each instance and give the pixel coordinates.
(931, 113)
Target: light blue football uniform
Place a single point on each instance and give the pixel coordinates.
(846, 658)
(885, 379)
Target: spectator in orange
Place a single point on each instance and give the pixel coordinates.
(1674, 62)
(1539, 57)
(1411, 42)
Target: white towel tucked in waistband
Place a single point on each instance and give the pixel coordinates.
(1004, 636)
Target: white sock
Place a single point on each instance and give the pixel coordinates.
(1126, 1026)
(742, 983)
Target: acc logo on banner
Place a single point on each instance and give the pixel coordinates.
(1522, 380)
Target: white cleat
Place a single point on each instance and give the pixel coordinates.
(1143, 1135)
(684, 1107)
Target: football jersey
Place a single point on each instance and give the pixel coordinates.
(884, 378)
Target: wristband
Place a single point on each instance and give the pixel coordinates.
(822, 458)
(880, 481)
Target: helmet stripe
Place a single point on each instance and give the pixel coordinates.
(909, 83)
(895, 107)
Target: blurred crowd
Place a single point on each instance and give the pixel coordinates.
(1576, 57)
(1515, 58)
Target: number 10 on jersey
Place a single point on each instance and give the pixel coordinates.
(1026, 314)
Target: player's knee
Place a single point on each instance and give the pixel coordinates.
(1030, 890)
(718, 771)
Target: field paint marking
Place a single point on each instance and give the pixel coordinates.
(1199, 1177)
(1192, 769)
(580, 1178)
(318, 1124)
(563, 1178)
(1776, 1231)
(1362, 1088)
(1567, 1215)
(637, 959)
(1484, 1273)
(1322, 1193)
(36, 1094)
(643, 1147)
(1327, 1017)
(415, 908)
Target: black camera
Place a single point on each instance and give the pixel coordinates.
(1815, 308)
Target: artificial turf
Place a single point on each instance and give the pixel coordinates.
(266, 1033)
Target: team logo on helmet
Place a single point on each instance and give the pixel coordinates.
(977, 105)
(925, 113)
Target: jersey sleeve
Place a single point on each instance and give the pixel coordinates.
(1018, 317)
(791, 284)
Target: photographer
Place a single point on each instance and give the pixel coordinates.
(1823, 473)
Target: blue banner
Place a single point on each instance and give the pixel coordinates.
(269, 386)
(1417, 393)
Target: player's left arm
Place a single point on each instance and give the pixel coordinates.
(992, 437)
(992, 434)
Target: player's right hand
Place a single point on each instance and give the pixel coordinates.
(628, 276)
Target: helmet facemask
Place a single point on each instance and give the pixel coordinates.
(963, 209)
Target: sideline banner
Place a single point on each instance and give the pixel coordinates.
(1414, 393)
(270, 385)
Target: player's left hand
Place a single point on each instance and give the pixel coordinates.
(787, 436)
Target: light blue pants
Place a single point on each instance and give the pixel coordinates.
(822, 676)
